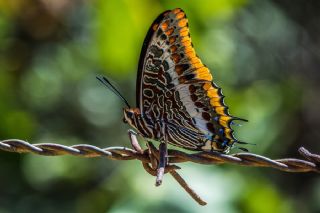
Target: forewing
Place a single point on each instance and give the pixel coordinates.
(173, 81)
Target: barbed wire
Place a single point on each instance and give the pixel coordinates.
(150, 158)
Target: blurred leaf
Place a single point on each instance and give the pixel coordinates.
(118, 31)
(18, 124)
(264, 198)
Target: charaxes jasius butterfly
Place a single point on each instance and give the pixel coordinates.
(177, 102)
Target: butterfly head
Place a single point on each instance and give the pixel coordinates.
(131, 116)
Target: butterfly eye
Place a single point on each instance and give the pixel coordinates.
(130, 114)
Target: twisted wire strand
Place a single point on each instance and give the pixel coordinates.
(150, 158)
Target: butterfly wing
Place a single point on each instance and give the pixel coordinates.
(173, 85)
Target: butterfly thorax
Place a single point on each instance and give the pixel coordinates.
(151, 125)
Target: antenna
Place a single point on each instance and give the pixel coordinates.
(107, 83)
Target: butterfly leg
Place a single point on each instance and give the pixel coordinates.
(162, 162)
(134, 141)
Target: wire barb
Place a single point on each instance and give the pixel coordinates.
(150, 158)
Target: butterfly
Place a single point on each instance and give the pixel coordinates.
(177, 101)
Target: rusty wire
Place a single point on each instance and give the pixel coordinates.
(150, 158)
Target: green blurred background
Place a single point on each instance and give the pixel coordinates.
(264, 54)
